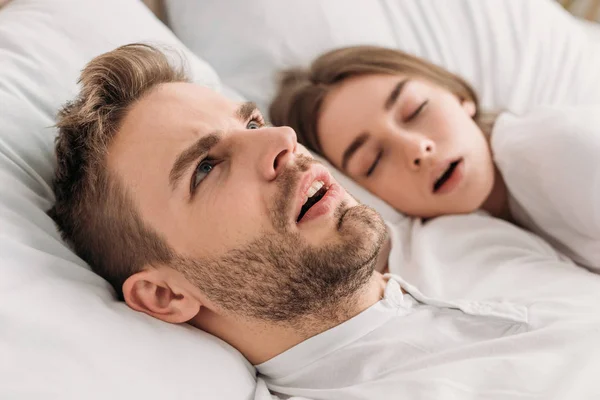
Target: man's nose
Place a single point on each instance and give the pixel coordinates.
(417, 149)
(277, 149)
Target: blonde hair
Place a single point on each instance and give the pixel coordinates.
(302, 91)
(93, 210)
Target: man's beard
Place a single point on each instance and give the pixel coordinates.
(281, 278)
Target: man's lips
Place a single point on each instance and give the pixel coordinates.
(315, 173)
(326, 205)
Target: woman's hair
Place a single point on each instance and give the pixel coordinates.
(302, 91)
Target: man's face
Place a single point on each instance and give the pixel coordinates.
(226, 193)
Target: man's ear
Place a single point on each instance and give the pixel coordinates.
(469, 107)
(159, 292)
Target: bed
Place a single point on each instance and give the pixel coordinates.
(63, 334)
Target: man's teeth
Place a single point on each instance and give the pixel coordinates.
(314, 188)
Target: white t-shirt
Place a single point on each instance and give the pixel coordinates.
(550, 160)
(491, 312)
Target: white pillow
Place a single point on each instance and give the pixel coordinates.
(517, 54)
(63, 335)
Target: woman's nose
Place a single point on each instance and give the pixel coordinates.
(418, 150)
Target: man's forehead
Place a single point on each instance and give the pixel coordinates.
(189, 97)
(166, 120)
(175, 109)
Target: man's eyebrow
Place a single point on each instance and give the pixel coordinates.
(394, 94)
(245, 111)
(355, 145)
(191, 154)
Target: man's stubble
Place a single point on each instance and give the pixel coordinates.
(280, 278)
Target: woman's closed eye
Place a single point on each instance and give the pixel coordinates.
(416, 112)
(374, 163)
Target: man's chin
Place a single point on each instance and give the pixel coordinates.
(361, 217)
(351, 221)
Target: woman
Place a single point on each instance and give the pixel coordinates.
(413, 134)
(403, 128)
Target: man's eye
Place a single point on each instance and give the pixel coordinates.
(201, 172)
(254, 124)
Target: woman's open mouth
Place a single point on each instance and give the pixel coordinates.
(449, 178)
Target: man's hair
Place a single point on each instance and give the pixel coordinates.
(302, 91)
(93, 209)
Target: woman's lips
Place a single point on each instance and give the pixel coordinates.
(451, 181)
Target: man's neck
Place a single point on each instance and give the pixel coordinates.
(260, 342)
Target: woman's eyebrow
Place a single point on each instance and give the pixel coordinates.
(394, 94)
(354, 146)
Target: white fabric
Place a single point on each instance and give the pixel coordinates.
(549, 159)
(517, 54)
(63, 335)
(492, 312)
(593, 30)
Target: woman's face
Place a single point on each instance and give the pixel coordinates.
(408, 141)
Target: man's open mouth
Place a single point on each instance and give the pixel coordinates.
(446, 175)
(314, 194)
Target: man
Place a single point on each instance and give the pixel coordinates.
(197, 212)
(193, 208)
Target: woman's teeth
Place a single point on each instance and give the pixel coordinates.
(314, 188)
